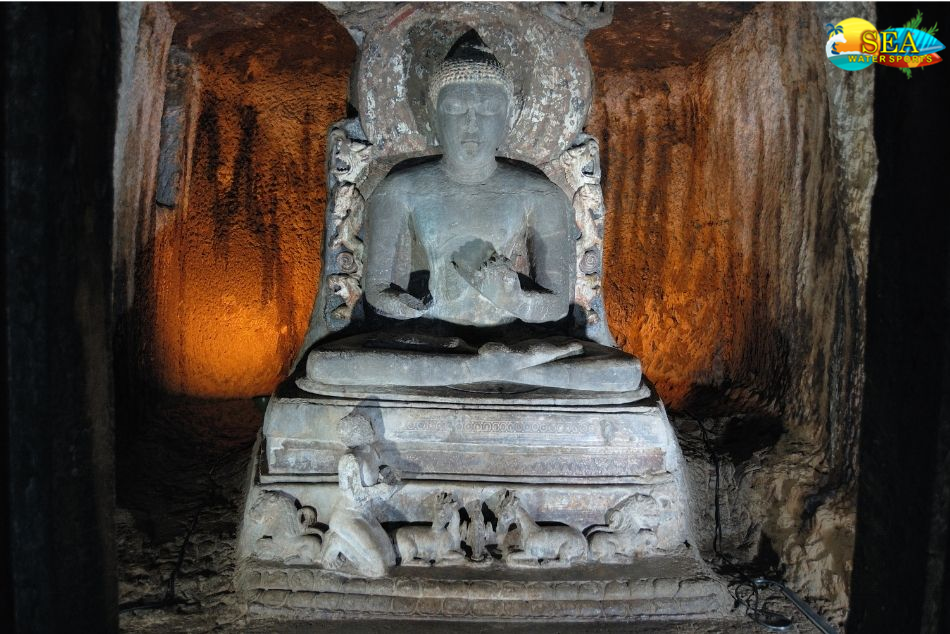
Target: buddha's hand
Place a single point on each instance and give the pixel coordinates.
(397, 303)
(388, 475)
(413, 303)
(496, 280)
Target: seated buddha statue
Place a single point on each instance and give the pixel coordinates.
(470, 260)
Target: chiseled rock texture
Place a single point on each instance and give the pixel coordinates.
(225, 279)
(176, 527)
(738, 169)
(739, 194)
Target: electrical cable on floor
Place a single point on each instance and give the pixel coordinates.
(169, 599)
(746, 588)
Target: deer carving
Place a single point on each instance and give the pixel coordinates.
(438, 544)
(532, 545)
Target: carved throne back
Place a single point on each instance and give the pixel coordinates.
(400, 45)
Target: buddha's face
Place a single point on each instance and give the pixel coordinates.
(472, 121)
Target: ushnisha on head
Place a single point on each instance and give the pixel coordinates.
(471, 93)
(469, 61)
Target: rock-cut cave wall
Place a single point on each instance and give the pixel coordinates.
(738, 169)
(227, 265)
(739, 193)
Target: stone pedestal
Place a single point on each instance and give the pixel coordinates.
(449, 434)
(570, 459)
(669, 588)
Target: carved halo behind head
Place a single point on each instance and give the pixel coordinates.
(547, 64)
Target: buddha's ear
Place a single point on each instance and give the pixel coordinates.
(434, 131)
(515, 106)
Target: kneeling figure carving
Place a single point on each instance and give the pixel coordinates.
(356, 542)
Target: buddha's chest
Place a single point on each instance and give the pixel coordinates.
(442, 224)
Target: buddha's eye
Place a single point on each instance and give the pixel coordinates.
(453, 106)
(490, 106)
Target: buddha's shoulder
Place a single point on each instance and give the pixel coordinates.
(429, 177)
(526, 180)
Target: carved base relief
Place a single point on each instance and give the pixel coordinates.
(462, 524)
(277, 528)
(671, 588)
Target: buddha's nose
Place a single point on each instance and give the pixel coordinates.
(470, 123)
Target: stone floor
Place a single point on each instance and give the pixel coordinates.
(180, 489)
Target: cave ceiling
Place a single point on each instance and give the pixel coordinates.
(645, 35)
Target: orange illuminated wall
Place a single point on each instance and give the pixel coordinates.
(234, 269)
(730, 266)
(684, 285)
(738, 167)
(717, 179)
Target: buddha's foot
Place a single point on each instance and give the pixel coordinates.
(529, 353)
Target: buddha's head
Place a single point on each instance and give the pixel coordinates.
(470, 94)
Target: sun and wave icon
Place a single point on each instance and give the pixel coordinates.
(843, 48)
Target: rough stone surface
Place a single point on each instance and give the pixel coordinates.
(180, 490)
(146, 33)
(703, 244)
(238, 260)
(732, 231)
(189, 485)
(653, 35)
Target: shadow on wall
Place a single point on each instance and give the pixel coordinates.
(706, 268)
